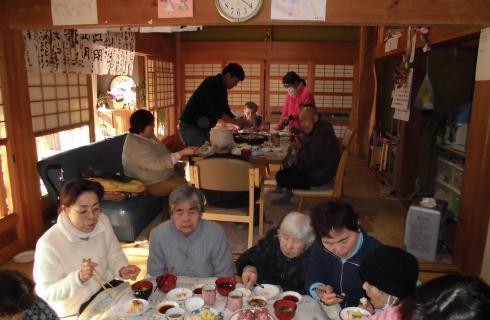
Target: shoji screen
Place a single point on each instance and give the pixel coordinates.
(58, 101)
(333, 86)
(248, 90)
(161, 95)
(195, 73)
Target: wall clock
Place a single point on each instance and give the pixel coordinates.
(238, 10)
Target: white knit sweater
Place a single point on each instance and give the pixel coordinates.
(58, 258)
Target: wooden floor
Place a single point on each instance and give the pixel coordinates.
(381, 215)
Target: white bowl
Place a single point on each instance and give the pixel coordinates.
(194, 303)
(345, 313)
(175, 311)
(268, 291)
(135, 307)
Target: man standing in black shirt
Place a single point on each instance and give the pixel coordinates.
(208, 104)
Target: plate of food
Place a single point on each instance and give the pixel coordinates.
(250, 138)
(257, 302)
(206, 314)
(252, 314)
(352, 313)
(179, 294)
(268, 291)
(135, 307)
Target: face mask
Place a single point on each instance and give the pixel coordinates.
(389, 303)
(292, 91)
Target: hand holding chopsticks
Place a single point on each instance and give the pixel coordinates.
(329, 297)
(87, 271)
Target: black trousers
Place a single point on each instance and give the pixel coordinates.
(293, 178)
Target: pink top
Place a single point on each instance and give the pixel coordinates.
(387, 314)
(293, 104)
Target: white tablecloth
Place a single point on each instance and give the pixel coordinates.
(106, 308)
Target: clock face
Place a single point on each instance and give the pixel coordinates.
(238, 10)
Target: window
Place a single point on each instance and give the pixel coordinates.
(161, 93)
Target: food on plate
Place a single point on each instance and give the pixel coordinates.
(354, 315)
(205, 314)
(252, 314)
(268, 144)
(181, 295)
(243, 146)
(257, 302)
(135, 306)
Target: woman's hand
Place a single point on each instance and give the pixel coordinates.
(249, 276)
(129, 272)
(327, 295)
(188, 151)
(86, 271)
(368, 306)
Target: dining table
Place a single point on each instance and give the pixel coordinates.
(112, 308)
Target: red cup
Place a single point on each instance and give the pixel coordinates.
(166, 282)
(246, 153)
(285, 309)
(225, 285)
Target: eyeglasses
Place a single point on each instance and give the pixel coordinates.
(96, 210)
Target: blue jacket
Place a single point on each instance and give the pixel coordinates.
(343, 275)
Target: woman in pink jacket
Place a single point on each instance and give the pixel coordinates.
(298, 95)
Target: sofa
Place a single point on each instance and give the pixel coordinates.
(128, 217)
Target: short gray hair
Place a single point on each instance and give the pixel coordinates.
(298, 225)
(185, 193)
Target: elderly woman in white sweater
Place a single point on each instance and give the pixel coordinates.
(77, 249)
(147, 159)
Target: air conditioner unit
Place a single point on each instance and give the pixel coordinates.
(424, 229)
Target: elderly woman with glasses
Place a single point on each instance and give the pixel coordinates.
(187, 245)
(281, 257)
(79, 252)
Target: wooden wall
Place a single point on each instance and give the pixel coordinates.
(37, 13)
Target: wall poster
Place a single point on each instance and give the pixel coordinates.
(66, 51)
(175, 8)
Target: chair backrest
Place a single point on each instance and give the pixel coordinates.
(339, 176)
(348, 139)
(222, 174)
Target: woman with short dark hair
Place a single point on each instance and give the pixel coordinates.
(77, 250)
(147, 159)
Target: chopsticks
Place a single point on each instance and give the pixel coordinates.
(343, 297)
(102, 281)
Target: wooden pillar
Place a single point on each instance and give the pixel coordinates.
(475, 199)
(22, 145)
(361, 113)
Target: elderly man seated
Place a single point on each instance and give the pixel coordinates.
(281, 257)
(186, 244)
(315, 156)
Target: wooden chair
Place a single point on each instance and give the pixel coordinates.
(223, 174)
(348, 139)
(324, 194)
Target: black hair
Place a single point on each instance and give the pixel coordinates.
(452, 296)
(139, 120)
(303, 81)
(251, 105)
(333, 215)
(74, 188)
(235, 70)
(16, 292)
(291, 78)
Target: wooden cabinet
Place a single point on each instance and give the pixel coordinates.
(114, 122)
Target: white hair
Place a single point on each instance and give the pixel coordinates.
(298, 225)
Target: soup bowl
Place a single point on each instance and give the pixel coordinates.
(142, 289)
(225, 285)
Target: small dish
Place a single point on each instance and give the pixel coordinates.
(352, 313)
(24, 257)
(197, 289)
(175, 313)
(257, 302)
(268, 291)
(135, 307)
(179, 294)
(162, 307)
(142, 289)
(291, 296)
(194, 304)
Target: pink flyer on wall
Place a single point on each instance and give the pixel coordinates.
(175, 8)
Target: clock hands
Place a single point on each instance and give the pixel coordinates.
(248, 4)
